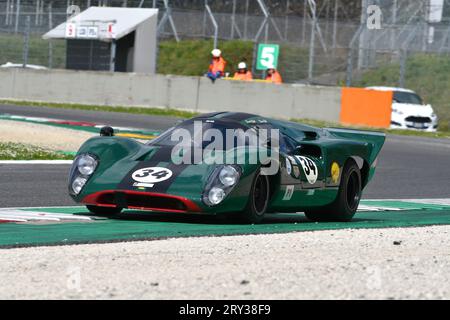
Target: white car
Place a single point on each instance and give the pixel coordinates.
(409, 111)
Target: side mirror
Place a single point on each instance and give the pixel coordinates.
(107, 132)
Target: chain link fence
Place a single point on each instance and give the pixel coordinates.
(322, 42)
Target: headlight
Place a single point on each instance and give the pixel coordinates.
(87, 165)
(78, 184)
(216, 196)
(82, 169)
(220, 183)
(397, 111)
(228, 176)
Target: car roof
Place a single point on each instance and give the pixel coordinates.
(233, 116)
(390, 89)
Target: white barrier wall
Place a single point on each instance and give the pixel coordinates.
(186, 93)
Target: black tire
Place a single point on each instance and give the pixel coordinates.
(343, 209)
(104, 211)
(258, 201)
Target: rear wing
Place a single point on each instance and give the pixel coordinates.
(373, 138)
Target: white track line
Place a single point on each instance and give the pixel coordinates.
(31, 162)
(14, 215)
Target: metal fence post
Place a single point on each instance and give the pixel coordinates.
(312, 5)
(246, 20)
(26, 41)
(214, 22)
(403, 59)
(233, 19)
(335, 18)
(350, 56)
(168, 16)
(112, 61)
(16, 28)
(50, 27)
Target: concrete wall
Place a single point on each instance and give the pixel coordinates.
(187, 93)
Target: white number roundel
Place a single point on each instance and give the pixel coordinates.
(152, 175)
(309, 168)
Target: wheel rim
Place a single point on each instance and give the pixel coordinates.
(353, 191)
(260, 195)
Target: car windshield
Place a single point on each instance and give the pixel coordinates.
(201, 133)
(407, 97)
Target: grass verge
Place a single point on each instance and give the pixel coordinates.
(18, 151)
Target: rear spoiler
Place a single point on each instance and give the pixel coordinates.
(374, 138)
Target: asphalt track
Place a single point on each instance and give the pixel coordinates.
(408, 168)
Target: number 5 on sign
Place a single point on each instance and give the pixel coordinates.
(267, 56)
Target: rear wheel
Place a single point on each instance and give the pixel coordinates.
(346, 204)
(258, 201)
(104, 211)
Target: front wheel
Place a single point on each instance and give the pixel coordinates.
(104, 211)
(258, 201)
(343, 209)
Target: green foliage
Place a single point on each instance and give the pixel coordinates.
(18, 151)
(428, 75)
(192, 57)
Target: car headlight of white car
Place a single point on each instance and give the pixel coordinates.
(397, 111)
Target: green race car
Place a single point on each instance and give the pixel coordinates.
(298, 168)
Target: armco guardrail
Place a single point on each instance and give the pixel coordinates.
(186, 93)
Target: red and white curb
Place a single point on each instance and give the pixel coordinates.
(41, 214)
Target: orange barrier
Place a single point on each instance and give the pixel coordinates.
(366, 107)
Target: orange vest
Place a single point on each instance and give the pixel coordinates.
(218, 65)
(275, 77)
(243, 76)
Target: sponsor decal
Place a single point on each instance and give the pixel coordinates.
(295, 168)
(142, 186)
(147, 177)
(289, 193)
(288, 166)
(309, 168)
(335, 172)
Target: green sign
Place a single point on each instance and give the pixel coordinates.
(267, 56)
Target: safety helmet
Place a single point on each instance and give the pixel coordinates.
(216, 53)
(242, 65)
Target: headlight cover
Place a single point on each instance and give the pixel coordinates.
(78, 184)
(220, 183)
(86, 165)
(228, 176)
(82, 169)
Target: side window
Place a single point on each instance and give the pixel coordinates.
(287, 145)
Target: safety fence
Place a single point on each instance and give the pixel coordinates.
(324, 41)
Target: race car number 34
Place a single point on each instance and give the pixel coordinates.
(152, 175)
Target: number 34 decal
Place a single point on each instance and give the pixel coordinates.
(152, 175)
(309, 168)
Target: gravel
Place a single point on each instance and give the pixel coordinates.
(45, 136)
(409, 263)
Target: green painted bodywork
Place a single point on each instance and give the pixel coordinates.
(119, 156)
